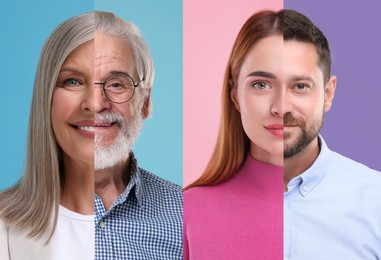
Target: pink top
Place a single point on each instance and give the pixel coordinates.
(241, 218)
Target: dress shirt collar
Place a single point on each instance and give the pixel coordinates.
(309, 179)
(135, 183)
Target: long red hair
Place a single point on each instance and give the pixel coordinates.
(233, 144)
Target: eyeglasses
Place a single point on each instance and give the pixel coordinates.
(119, 87)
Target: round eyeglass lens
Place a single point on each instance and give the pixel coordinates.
(119, 87)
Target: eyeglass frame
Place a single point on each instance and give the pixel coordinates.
(118, 73)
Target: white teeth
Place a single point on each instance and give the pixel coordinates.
(87, 128)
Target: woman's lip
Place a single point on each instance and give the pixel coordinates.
(83, 123)
(274, 126)
(275, 129)
(278, 132)
(84, 127)
(85, 131)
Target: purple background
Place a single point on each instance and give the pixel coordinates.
(353, 125)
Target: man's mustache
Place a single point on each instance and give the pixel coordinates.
(289, 119)
(109, 117)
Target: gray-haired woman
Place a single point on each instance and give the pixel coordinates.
(49, 213)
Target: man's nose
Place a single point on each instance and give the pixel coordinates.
(282, 103)
(100, 101)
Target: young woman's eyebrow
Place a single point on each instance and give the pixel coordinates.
(263, 74)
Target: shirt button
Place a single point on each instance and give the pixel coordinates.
(102, 224)
(305, 188)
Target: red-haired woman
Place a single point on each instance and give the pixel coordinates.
(235, 209)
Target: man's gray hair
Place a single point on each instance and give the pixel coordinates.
(111, 25)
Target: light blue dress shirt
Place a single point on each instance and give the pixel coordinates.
(333, 211)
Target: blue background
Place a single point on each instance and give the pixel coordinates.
(160, 146)
(26, 25)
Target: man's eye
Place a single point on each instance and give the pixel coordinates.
(260, 85)
(301, 87)
(115, 85)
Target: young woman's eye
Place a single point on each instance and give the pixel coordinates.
(260, 85)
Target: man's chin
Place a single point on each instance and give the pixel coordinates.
(111, 155)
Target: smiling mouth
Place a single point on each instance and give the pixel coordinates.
(87, 128)
(84, 128)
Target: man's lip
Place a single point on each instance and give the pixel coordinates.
(103, 124)
(274, 126)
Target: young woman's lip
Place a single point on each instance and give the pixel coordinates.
(275, 126)
(278, 132)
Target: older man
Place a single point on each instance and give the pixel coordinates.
(331, 207)
(137, 214)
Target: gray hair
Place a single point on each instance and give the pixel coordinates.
(111, 25)
(29, 204)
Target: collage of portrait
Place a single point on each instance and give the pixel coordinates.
(190, 129)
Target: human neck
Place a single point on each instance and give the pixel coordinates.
(264, 156)
(77, 192)
(300, 162)
(111, 182)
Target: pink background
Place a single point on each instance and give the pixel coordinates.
(210, 28)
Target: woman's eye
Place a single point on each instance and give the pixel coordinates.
(71, 83)
(260, 85)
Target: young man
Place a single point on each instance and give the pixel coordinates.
(331, 207)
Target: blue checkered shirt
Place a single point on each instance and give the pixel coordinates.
(145, 222)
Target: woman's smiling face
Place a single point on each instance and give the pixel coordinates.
(72, 112)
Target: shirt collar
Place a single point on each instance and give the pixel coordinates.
(309, 179)
(135, 184)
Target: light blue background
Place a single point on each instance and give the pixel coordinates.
(159, 148)
(25, 25)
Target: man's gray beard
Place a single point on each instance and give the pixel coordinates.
(110, 155)
(304, 138)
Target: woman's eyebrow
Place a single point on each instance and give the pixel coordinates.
(259, 73)
(71, 69)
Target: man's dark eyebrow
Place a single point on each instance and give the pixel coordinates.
(303, 78)
(263, 74)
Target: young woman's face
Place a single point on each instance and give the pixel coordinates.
(72, 106)
(258, 97)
